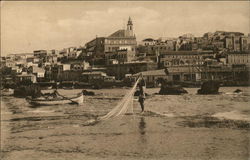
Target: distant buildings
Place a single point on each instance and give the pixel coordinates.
(245, 43)
(233, 59)
(120, 70)
(120, 56)
(220, 55)
(25, 77)
(90, 77)
(40, 54)
(182, 58)
(38, 72)
(148, 42)
(193, 75)
(152, 77)
(121, 40)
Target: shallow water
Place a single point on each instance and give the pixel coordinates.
(186, 126)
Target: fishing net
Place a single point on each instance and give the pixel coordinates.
(123, 107)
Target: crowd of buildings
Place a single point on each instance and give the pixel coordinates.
(220, 55)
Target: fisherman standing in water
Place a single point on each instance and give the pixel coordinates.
(142, 88)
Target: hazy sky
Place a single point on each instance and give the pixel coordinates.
(28, 26)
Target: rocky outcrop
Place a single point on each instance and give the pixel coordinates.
(167, 89)
(238, 91)
(88, 93)
(209, 87)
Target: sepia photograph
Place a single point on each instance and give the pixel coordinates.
(128, 80)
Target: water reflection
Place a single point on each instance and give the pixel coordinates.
(142, 131)
(142, 126)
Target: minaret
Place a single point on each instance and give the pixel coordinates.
(130, 27)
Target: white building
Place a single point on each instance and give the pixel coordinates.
(238, 59)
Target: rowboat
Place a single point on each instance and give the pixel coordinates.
(56, 101)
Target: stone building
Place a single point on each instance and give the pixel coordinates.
(152, 77)
(120, 70)
(236, 43)
(119, 40)
(148, 42)
(240, 58)
(228, 43)
(120, 56)
(184, 58)
(24, 77)
(245, 43)
(219, 45)
(40, 53)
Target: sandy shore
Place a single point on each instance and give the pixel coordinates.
(173, 127)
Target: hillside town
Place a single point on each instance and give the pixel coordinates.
(117, 58)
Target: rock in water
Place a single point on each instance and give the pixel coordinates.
(167, 89)
(237, 91)
(88, 93)
(209, 87)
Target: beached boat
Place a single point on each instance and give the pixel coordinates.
(56, 101)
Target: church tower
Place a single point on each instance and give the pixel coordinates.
(130, 28)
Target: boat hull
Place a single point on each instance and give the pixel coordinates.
(76, 100)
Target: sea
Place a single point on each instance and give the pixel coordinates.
(188, 126)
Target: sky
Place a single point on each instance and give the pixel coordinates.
(34, 25)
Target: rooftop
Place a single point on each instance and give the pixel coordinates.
(37, 69)
(183, 69)
(148, 39)
(119, 33)
(94, 73)
(187, 52)
(160, 72)
(25, 75)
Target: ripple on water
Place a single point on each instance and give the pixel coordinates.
(213, 122)
(234, 115)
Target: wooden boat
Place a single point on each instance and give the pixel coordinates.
(56, 101)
